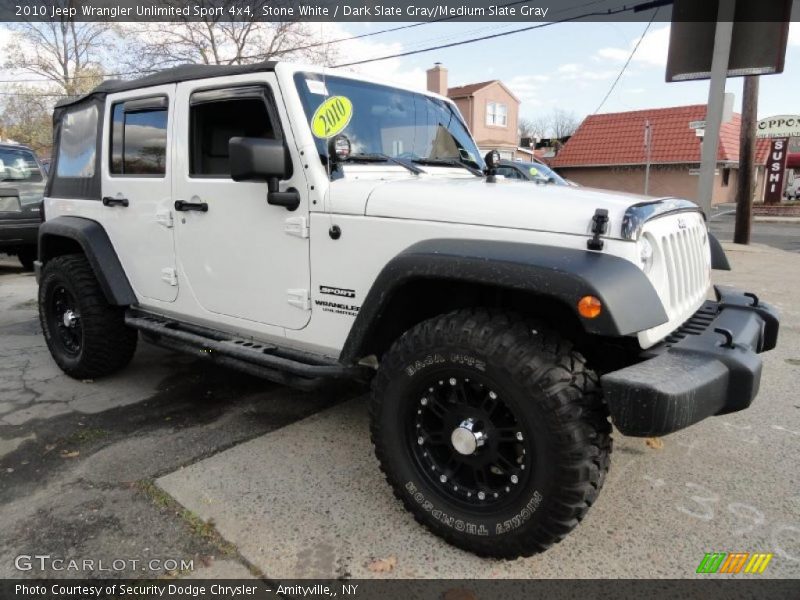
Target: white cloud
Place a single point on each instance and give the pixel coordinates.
(528, 87)
(652, 50)
(581, 73)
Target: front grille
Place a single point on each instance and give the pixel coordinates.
(696, 324)
(686, 265)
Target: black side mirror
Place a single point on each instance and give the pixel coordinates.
(258, 159)
(492, 160)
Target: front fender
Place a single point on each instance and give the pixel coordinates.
(630, 303)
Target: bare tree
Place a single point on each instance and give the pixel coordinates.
(26, 117)
(66, 53)
(563, 123)
(217, 40)
(537, 127)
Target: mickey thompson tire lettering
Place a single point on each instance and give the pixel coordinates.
(541, 379)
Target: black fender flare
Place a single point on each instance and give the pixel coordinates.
(99, 251)
(630, 303)
(719, 261)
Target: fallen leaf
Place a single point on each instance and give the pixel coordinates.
(69, 453)
(383, 565)
(654, 443)
(87, 380)
(49, 447)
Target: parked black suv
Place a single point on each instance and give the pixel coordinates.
(21, 191)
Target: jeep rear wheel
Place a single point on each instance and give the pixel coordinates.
(87, 337)
(491, 431)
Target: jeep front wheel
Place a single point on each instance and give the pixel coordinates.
(86, 336)
(491, 431)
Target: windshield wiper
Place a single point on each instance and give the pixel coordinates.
(378, 157)
(448, 162)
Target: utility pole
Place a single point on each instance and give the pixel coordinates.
(716, 100)
(648, 143)
(747, 153)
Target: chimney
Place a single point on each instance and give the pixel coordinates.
(437, 79)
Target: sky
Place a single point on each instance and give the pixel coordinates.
(568, 65)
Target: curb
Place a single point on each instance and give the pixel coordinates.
(776, 219)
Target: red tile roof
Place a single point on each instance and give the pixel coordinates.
(618, 139)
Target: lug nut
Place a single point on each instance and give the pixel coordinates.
(443, 478)
(519, 434)
(453, 381)
(481, 495)
(514, 479)
(492, 395)
(424, 402)
(420, 441)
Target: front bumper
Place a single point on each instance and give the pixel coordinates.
(708, 366)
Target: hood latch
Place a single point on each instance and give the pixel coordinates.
(599, 227)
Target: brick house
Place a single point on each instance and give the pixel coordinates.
(608, 151)
(490, 109)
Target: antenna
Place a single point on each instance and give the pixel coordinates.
(329, 188)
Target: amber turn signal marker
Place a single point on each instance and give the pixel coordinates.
(589, 307)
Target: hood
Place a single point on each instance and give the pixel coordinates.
(505, 203)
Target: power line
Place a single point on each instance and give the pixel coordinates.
(609, 12)
(279, 52)
(627, 62)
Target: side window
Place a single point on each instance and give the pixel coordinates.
(509, 172)
(139, 137)
(218, 115)
(77, 143)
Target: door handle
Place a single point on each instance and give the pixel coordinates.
(111, 201)
(182, 205)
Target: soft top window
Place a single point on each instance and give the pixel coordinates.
(77, 145)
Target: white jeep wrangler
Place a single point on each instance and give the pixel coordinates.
(305, 226)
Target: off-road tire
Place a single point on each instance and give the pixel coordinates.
(26, 257)
(544, 381)
(105, 344)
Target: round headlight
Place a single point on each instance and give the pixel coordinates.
(645, 254)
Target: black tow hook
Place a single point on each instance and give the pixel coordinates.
(728, 335)
(753, 296)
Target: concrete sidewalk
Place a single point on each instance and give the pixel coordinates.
(309, 500)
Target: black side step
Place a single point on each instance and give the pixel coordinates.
(282, 365)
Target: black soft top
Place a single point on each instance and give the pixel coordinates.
(173, 75)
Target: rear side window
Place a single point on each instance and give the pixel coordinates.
(219, 115)
(77, 143)
(139, 137)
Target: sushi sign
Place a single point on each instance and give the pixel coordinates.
(778, 129)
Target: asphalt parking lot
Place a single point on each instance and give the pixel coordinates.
(173, 459)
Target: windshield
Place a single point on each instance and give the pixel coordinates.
(17, 164)
(379, 119)
(543, 173)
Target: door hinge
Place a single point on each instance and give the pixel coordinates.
(297, 226)
(164, 218)
(299, 298)
(169, 275)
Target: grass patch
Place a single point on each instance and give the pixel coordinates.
(204, 530)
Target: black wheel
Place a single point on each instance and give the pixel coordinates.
(86, 336)
(491, 431)
(26, 257)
